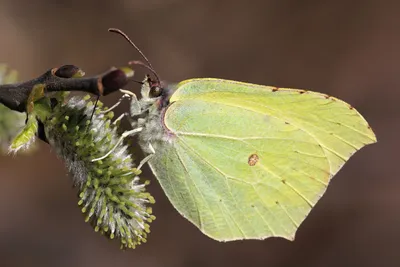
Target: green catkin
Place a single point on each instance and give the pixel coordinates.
(110, 195)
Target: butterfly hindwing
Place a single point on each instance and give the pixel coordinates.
(244, 161)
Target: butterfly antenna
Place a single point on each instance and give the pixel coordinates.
(94, 108)
(148, 64)
(139, 82)
(140, 63)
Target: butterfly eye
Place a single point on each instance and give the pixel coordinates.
(155, 91)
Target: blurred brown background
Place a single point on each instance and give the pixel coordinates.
(348, 49)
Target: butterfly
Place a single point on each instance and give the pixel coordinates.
(240, 160)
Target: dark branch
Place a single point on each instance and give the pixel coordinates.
(15, 96)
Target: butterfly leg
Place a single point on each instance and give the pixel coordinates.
(147, 158)
(116, 104)
(144, 161)
(120, 118)
(123, 136)
(135, 107)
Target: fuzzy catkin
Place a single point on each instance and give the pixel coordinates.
(111, 195)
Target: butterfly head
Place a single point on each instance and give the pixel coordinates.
(155, 92)
(156, 89)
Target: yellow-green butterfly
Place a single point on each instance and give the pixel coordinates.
(244, 161)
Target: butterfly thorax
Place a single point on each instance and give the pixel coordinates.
(152, 110)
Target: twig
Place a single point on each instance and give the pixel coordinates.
(65, 78)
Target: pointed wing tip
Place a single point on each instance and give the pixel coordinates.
(372, 138)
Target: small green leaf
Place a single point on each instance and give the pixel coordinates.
(26, 137)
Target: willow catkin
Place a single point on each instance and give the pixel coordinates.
(111, 195)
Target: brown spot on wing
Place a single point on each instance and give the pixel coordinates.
(253, 159)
